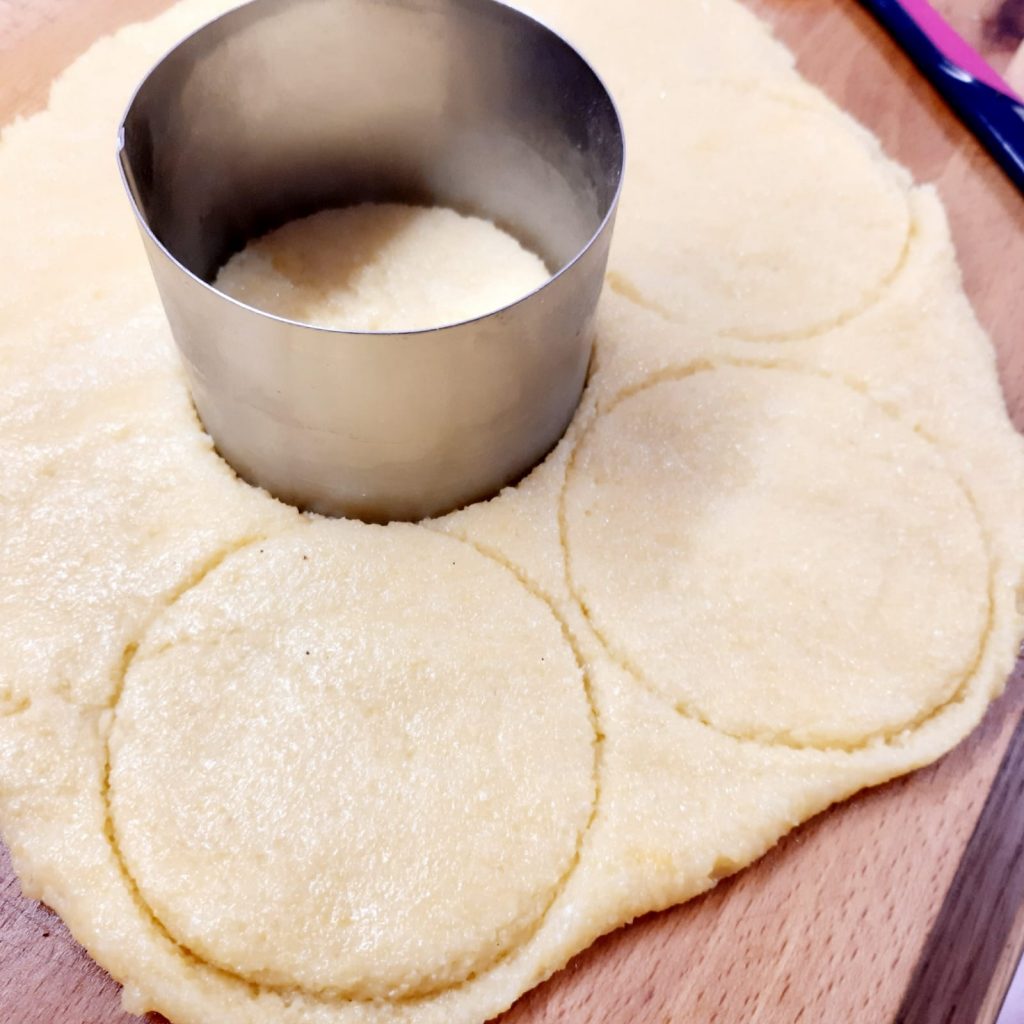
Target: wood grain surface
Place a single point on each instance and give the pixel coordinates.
(986, 922)
(906, 903)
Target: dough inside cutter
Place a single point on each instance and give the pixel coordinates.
(383, 267)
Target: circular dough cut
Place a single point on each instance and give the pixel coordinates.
(354, 760)
(802, 568)
(758, 214)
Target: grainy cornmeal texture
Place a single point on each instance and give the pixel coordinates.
(278, 770)
(383, 267)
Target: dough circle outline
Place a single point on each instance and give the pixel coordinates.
(330, 996)
(874, 291)
(692, 368)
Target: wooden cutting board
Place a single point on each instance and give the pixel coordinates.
(906, 903)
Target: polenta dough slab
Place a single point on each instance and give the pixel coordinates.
(741, 179)
(391, 776)
(383, 267)
(113, 501)
(719, 218)
(803, 568)
(114, 477)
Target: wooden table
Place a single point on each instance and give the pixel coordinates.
(906, 903)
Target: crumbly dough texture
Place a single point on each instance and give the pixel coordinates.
(383, 267)
(400, 758)
(775, 559)
(749, 515)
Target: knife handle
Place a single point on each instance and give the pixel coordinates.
(990, 111)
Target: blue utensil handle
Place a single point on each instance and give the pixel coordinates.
(995, 118)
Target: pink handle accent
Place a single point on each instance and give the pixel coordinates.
(953, 46)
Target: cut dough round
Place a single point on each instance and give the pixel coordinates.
(802, 568)
(354, 760)
(791, 229)
(383, 267)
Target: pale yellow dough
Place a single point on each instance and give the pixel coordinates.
(751, 235)
(767, 492)
(383, 267)
(399, 760)
(776, 559)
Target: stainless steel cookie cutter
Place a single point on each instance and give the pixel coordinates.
(284, 107)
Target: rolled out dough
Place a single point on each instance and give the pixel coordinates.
(409, 769)
(276, 770)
